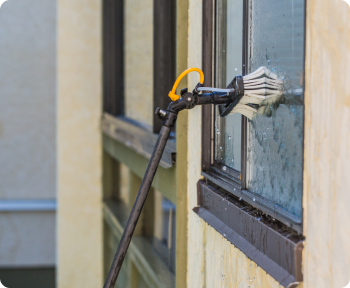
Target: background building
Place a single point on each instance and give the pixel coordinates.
(28, 181)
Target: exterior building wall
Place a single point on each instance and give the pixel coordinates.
(27, 132)
(327, 138)
(79, 144)
(181, 149)
(28, 239)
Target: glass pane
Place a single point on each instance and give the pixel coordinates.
(275, 136)
(228, 65)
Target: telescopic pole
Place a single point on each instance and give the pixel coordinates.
(187, 101)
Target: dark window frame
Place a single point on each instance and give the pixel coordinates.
(208, 64)
(231, 180)
(164, 32)
(164, 60)
(113, 56)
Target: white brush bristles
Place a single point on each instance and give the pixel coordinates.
(260, 85)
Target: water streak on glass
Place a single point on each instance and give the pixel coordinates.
(275, 136)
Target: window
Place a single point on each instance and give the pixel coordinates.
(139, 58)
(259, 160)
(152, 252)
(139, 68)
(252, 191)
(163, 225)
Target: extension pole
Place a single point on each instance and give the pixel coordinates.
(137, 208)
(187, 101)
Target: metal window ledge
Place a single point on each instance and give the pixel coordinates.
(255, 200)
(273, 246)
(28, 205)
(148, 263)
(137, 137)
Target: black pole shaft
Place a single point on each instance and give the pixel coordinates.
(137, 208)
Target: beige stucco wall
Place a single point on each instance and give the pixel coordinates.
(79, 146)
(138, 60)
(27, 130)
(212, 260)
(27, 239)
(28, 99)
(327, 145)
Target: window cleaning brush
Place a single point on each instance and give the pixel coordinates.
(253, 92)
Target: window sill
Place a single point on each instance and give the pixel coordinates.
(255, 200)
(274, 247)
(148, 263)
(164, 180)
(137, 137)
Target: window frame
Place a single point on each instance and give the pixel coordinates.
(235, 183)
(164, 35)
(132, 142)
(137, 135)
(208, 64)
(113, 57)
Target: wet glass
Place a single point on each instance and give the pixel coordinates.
(228, 64)
(275, 136)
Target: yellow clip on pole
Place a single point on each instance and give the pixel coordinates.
(172, 94)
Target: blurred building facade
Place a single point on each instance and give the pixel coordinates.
(28, 140)
(235, 202)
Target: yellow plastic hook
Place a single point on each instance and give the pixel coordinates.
(172, 94)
